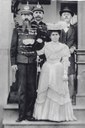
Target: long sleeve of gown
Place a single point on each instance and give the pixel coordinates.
(65, 59)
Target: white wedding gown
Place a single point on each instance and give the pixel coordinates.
(53, 100)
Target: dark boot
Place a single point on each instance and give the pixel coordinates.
(20, 118)
(74, 100)
(30, 118)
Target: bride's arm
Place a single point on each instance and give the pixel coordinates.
(65, 61)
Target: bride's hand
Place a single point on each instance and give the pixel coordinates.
(65, 77)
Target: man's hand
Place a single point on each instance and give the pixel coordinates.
(72, 49)
(65, 77)
(39, 40)
(14, 68)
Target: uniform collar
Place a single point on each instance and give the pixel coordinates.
(37, 22)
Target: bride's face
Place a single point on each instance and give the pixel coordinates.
(55, 36)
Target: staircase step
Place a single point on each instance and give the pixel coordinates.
(15, 106)
(79, 112)
(11, 123)
(11, 114)
(12, 110)
(11, 107)
(80, 99)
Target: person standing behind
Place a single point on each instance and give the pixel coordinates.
(68, 36)
(23, 59)
(41, 27)
(42, 36)
(53, 100)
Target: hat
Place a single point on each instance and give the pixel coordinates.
(66, 9)
(26, 10)
(52, 27)
(38, 8)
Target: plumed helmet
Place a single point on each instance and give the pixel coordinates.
(26, 10)
(38, 7)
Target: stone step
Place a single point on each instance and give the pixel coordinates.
(12, 110)
(80, 99)
(11, 123)
(11, 114)
(79, 112)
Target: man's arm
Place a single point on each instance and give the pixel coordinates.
(13, 49)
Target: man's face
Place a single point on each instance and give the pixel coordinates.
(26, 17)
(38, 15)
(66, 16)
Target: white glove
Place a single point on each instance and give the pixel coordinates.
(39, 40)
(72, 49)
(65, 77)
(14, 68)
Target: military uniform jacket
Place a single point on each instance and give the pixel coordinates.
(24, 46)
(41, 30)
(69, 38)
(42, 34)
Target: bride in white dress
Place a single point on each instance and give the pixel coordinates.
(53, 100)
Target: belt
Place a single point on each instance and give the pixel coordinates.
(27, 53)
(23, 46)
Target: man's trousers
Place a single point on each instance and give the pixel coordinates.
(27, 74)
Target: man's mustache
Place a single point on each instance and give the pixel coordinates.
(26, 23)
(38, 17)
(26, 19)
(66, 17)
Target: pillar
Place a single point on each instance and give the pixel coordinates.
(81, 45)
(5, 38)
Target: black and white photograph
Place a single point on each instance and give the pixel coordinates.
(42, 64)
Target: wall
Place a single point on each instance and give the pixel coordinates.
(5, 20)
(81, 45)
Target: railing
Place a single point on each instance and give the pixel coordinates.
(79, 60)
(79, 52)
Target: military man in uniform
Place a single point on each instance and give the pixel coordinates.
(68, 36)
(42, 36)
(37, 22)
(23, 59)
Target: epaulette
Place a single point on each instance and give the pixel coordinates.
(34, 25)
(19, 28)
